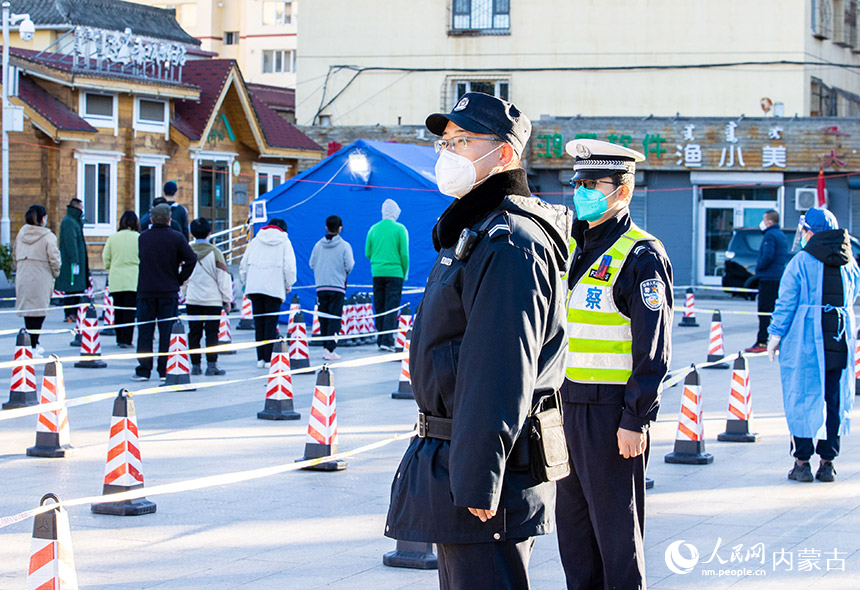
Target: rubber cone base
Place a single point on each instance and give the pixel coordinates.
(300, 363)
(76, 342)
(688, 452)
(649, 483)
(316, 343)
(108, 332)
(220, 352)
(738, 431)
(50, 452)
(127, 508)
(712, 358)
(245, 325)
(404, 391)
(315, 451)
(21, 399)
(91, 364)
(277, 409)
(180, 380)
(688, 323)
(413, 555)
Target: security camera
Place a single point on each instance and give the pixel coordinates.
(27, 29)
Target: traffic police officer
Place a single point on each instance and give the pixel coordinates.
(619, 323)
(488, 340)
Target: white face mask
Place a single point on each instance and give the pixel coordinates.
(456, 174)
(762, 225)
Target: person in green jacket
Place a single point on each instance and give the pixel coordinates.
(121, 260)
(74, 270)
(387, 248)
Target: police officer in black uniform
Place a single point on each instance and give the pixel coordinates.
(619, 328)
(488, 341)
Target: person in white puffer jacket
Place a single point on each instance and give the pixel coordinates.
(269, 256)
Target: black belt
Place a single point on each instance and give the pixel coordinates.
(434, 427)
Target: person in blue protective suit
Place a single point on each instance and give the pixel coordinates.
(815, 308)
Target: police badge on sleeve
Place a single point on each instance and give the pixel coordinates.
(653, 293)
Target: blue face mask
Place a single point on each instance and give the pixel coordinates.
(590, 203)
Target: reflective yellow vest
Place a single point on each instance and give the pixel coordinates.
(600, 340)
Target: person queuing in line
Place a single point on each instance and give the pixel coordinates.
(268, 271)
(120, 257)
(813, 327)
(36, 260)
(619, 326)
(74, 271)
(206, 293)
(178, 213)
(387, 248)
(773, 255)
(166, 262)
(464, 483)
(331, 260)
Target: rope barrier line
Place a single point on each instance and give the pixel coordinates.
(674, 377)
(714, 288)
(217, 348)
(204, 482)
(722, 312)
(97, 397)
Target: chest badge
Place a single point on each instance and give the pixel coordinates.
(446, 261)
(653, 293)
(601, 273)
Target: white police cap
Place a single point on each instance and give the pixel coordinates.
(596, 159)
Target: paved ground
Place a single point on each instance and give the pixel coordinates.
(324, 530)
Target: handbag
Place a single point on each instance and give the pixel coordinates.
(548, 456)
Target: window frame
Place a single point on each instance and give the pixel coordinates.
(492, 12)
(285, 22)
(272, 170)
(95, 158)
(287, 56)
(233, 40)
(455, 82)
(100, 121)
(156, 161)
(150, 126)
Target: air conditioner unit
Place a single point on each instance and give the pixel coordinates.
(807, 198)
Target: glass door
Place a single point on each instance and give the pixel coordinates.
(719, 225)
(212, 199)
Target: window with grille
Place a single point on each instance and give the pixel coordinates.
(481, 15)
(494, 87)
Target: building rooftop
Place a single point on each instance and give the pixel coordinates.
(112, 15)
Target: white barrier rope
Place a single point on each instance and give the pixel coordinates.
(203, 482)
(672, 378)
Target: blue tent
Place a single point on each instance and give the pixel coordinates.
(353, 183)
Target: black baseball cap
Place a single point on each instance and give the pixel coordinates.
(482, 113)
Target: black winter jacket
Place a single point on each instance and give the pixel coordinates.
(166, 261)
(489, 338)
(833, 248)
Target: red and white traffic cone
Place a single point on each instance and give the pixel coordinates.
(22, 390)
(178, 361)
(90, 291)
(91, 341)
(346, 322)
(295, 307)
(740, 405)
(690, 440)
(299, 353)
(322, 425)
(52, 560)
(689, 318)
(316, 329)
(79, 323)
(279, 386)
(246, 317)
(403, 325)
(404, 388)
(52, 429)
(369, 326)
(108, 315)
(123, 468)
(716, 350)
(224, 335)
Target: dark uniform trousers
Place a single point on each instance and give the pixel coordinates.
(459, 567)
(600, 503)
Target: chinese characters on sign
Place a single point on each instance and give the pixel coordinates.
(121, 52)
